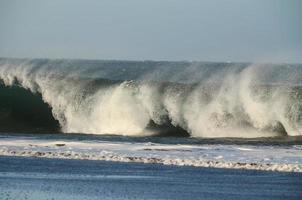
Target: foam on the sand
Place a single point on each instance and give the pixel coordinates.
(269, 158)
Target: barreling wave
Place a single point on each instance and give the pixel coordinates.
(141, 98)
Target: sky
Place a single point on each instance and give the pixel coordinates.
(199, 30)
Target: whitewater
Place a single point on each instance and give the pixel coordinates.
(143, 98)
(269, 157)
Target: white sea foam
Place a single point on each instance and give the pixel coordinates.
(271, 158)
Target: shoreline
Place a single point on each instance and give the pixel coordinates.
(206, 163)
(294, 168)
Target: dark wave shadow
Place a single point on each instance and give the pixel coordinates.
(25, 112)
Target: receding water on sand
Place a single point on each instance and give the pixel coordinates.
(41, 178)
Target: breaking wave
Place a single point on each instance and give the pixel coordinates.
(142, 98)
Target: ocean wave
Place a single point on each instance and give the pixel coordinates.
(142, 98)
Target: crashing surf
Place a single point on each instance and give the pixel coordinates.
(140, 98)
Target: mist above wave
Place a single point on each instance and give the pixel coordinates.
(131, 98)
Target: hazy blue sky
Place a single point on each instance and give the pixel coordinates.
(209, 30)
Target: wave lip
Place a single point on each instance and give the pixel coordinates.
(135, 98)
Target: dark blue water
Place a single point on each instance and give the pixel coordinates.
(40, 178)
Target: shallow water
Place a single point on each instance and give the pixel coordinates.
(40, 178)
(260, 154)
(280, 141)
